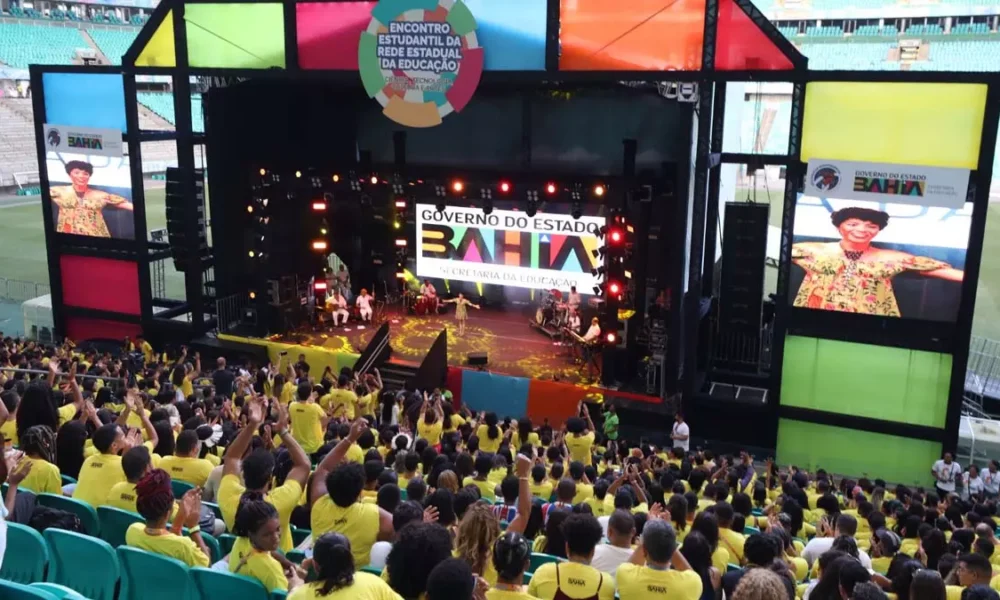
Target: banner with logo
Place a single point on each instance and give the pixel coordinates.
(83, 140)
(889, 183)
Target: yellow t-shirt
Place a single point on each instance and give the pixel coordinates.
(720, 559)
(643, 583)
(343, 401)
(574, 579)
(485, 443)
(66, 413)
(909, 546)
(284, 498)
(182, 548)
(495, 594)
(881, 564)
(147, 352)
(259, 565)
(44, 477)
(733, 543)
(366, 405)
(583, 492)
(187, 388)
(431, 433)
(358, 522)
(98, 475)
(365, 587)
(185, 468)
(579, 447)
(953, 592)
(516, 441)
(600, 507)
(355, 454)
(454, 422)
(487, 489)
(287, 394)
(542, 490)
(307, 425)
(9, 432)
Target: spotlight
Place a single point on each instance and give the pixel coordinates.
(396, 225)
(615, 236)
(504, 187)
(401, 274)
(401, 242)
(253, 295)
(611, 337)
(263, 172)
(374, 180)
(319, 205)
(336, 178)
(598, 190)
(249, 209)
(457, 186)
(323, 231)
(298, 174)
(251, 254)
(401, 204)
(614, 288)
(550, 188)
(319, 286)
(319, 245)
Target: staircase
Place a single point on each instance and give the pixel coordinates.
(395, 375)
(17, 139)
(101, 57)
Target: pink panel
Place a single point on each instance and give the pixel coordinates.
(328, 33)
(81, 328)
(742, 46)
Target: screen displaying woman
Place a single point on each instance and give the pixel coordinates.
(82, 208)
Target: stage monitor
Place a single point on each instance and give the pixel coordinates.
(91, 195)
(883, 259)
(507, 248)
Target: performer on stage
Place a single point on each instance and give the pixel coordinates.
(427, 291)
(461, 310)
(344, 281)
(594, 332)
(574, 300)
(572, 327)
(364, 303)
(336, 304)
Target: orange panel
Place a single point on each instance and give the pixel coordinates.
(512, 239)
(638, 35)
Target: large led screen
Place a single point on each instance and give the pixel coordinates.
(890, 260)
(91, 195)
(509, 248)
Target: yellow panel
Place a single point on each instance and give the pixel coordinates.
(159, 52)
(930, 124)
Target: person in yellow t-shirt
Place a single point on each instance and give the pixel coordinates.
(336, 501)
(147, 350)
(511, 558)
(429, 425)
(336, 577)
(258, 471)
(136, 462)
(308, 419)
(185, 465)
(155, 502)
(489, 433)
(584, 489)
(487, 488)
(731, 540)
(598, 503)
(579, 438)
(656, 567)
(576, 578)
(39, 447)
(523, 434)
(8, 428)
(540, 487)
(101, 472)
(341, 400)
(258, 537)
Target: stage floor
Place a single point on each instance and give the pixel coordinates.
(513, 346)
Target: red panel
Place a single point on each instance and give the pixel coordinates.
(638, 35)
(453, 382)
(554, 401)
(82, 328)
(100, 283)
(742, 46)
(328, 33)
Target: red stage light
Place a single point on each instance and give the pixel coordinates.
(401, 204)
(550, 188)
(504, 187)
(615, 235)
(319, 286)
(457, 185)
(614, 287)
(611, 337)
(319, 206)
(319, 245)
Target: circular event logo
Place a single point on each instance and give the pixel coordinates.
(826, 177)
(420, 59)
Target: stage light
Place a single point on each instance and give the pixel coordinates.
(336, 178)
(319, 245)
(264, 202)
(298, 174)
(263, 172)
(374, 180)
(401, 204)
(611, 337)
(251, 254)
(319, 286)
(615, 236)
(576, 210)
(401, 242)
(319, 206)
(614, 288)
(400, 274)
(457, 186)
(550, 188)
(396, 224)
(323, 231)
(488, 206)
(504, 187)
(253, 295)
(628, 274)
(249, 209)
(598, 190)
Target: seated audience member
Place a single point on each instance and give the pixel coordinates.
(574, 579)
(155, 501)
(760, 552)
(336, 577)
(760, 584)
(406, 513)
(101, 472)
(136, 462)
(39, 447)
(980, 592)
(618, 548)
(698, 552)
(417, 550)
(452, 579)
(185, 464)
(511, 558)
(258, 537)
(657, 565)
(972, 569)
(868, 591)
(846, 526)
(852, 574)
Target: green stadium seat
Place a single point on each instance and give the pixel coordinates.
(750, 530)
(732, 567)
(299, 535)
(279, 595)
(86, 513)
(213, 546)
(148, 576)
(26, 557)
(115, 522)
(96, 576)
(372, 570)
(538, 559)
(19, 591)
(527, 579)
(59, 591)
(296, 556)
(66, 479)
(213, 585)
(226, 541)
(180, 487)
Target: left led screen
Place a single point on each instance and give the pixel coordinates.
(91, 195)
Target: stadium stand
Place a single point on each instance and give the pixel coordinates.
(855, 55)
(17, 139)
(113, 42)
(22, 44)
(971, 55)
(163, 105)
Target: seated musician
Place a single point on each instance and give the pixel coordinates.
(594, 332)
(364, 303)
(427, 291)
(574, 300)
(336, 305)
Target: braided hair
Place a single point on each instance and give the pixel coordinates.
(334, 562)
(511, 553)
(40, 441)
(154, 496)
(252, 514)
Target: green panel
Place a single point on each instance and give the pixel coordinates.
(877, 382)
(371, 75)
(461, 19)
(811, 446)
(235, 36)
(388, 10)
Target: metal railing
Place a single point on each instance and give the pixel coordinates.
(23, 178)
(231, 312)
(15, 290)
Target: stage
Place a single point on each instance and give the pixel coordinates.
(512, 345)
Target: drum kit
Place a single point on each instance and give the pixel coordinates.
(552, 311)
(418, 304)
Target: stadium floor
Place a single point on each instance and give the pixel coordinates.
(22, 251)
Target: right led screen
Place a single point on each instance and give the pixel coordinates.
(889, 260)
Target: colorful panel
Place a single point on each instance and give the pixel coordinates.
(86, 281)
(235, 36)
(909, 386)
(82, 328)
(554, 401)
(160, 51)
(504, 395)
(931, 124)
(328, 33)
(642, 35)
(742, 46)
(511, 32)
(453, 382)
(85, 100)
(811, 446)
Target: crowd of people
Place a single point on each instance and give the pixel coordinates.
(407, 495)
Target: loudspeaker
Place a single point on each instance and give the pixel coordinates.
(744, 251)
(478, 359)
(185, 210)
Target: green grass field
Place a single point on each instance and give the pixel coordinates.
(22, 252)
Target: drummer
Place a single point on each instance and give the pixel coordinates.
(574, 301)
(427, 291)
(336, 305)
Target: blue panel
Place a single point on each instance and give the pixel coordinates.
(506, 396)
(511, 32)
(85, 100)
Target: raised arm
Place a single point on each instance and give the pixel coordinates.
(523, 495)
(334, 458)
(136, 406)
(234, 454)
